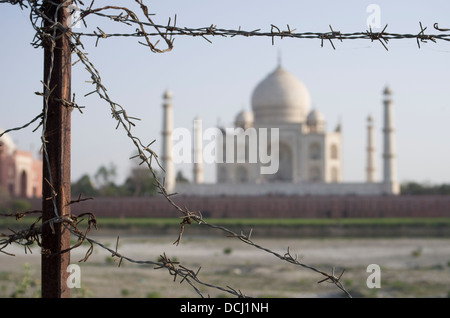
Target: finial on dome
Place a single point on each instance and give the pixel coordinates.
(167, 94)
(279, 58)
(387, 90)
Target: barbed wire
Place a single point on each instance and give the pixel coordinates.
(166, 33)
(275, 32)
(206, 32)
(31, 235)
(169, 30)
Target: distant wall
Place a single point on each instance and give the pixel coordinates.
(284, 188)
(269, 206)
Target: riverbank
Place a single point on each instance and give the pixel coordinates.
(282, 227)
(410, 267)
(270, 227)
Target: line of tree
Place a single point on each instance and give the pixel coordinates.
(140, 182)
(414, 188)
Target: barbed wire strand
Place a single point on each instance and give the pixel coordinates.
(275, 32)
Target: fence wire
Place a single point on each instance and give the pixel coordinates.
(153, 34)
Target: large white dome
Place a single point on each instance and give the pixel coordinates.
(280, 98)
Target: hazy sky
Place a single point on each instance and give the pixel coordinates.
(215, 81)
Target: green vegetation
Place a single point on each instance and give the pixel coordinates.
(140, 182)
(417, 252)
(414, 188)
(227, 250)
(24, 286)
(298, 226)
(153, 294)
(106, 222)
(164, 222)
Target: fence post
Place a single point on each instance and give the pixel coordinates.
(56, 161)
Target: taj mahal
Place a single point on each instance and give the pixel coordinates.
(310, 159)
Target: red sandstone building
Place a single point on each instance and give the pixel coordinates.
(20, 172)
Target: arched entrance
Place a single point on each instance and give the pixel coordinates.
(285, 168)
(241, 175)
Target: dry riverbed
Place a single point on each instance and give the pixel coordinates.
(416, 267)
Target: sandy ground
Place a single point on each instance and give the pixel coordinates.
(416, 267)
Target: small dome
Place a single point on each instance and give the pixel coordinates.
(280, 98)
(244, 119)
(315, 117)
(315, 121)
(8, 144)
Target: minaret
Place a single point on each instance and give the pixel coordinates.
(389, 162)
(198, 151)
(166, 158)
(370, 168)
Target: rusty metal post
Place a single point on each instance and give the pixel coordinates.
(58, 142)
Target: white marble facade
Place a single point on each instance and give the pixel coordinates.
(310, 157)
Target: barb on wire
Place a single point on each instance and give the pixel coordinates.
(80, 199)
(20, 215)
(422, 37)
(436, 26)
(380, 36)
